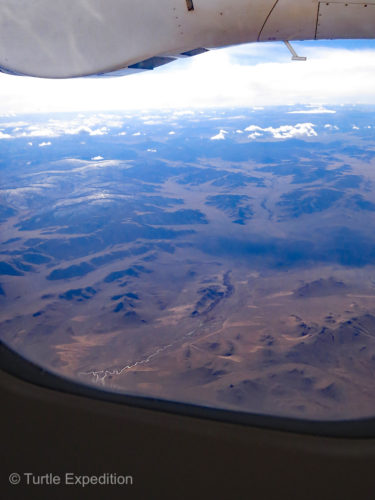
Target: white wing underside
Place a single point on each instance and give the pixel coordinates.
(72, 38)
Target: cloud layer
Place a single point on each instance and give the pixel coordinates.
(95, 124)
(284, 132)
(215, 125)
(248, 75)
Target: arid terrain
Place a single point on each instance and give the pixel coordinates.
(225, 259)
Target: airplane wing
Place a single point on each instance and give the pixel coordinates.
(72, 38)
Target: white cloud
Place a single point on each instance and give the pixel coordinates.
(171, 132)
(220, 136)
(152, 122)
(254, 135)
(5, 136)
(97, 158)
(314, 111)
(97, 124)
(184, 112)
(100, 131)
(38, 131)
(152, 150)
(43, 144)
(136, 134)
(355, 127)
(16, 124)
(283, 132)
(329, 126)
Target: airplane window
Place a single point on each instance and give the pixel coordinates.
(202, 232)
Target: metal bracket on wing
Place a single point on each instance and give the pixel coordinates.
(295, 56)
(148, 64)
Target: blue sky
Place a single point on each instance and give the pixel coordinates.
(336, 72)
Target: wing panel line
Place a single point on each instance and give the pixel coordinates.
(265, 22)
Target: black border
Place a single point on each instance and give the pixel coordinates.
(14, 364)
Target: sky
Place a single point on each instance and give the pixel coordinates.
(258, 74)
